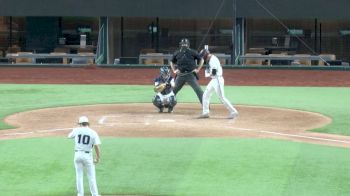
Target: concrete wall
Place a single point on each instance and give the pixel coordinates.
(322, 9)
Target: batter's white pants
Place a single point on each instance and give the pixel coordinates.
(217, 85)
(83, 161)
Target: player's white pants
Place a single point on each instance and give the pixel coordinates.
(84, 160)
(217, 85)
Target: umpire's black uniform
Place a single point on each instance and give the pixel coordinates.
(185, 61)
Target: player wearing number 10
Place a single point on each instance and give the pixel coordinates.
(85, 139)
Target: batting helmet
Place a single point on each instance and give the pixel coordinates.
(204, 53)
(164, 71)
(184, 43)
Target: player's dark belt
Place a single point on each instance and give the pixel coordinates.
(185, 73)
(82, 151)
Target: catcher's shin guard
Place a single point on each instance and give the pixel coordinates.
(158, 103)
(172, 101)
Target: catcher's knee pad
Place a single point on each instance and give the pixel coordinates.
(157, 102)
(172, 101)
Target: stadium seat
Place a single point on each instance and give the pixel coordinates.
(13, 49)
(155, 61)
(326, 57)
(62, 49)
(78, 60)
(64, 60)
(24, 60)
(302, 61)
(253, 61)
(279, 62)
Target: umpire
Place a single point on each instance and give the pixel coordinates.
(184, 65)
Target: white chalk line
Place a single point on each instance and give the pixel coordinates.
(167, 120)
(40, 131)
(103, 118)
(24, 133)
(293, 135)
(258, 131)
(306, 137)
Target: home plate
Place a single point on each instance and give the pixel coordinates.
(166, 120)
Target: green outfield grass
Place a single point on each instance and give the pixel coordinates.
(179, 166)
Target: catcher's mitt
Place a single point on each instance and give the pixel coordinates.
(160, 88)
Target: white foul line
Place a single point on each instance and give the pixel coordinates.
(306, 137)
(53, 130)
(101, 121)
(40, 131)
(24, 133)
(294, 135)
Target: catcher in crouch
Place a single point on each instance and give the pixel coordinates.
(164, 85)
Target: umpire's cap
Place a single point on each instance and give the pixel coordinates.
(83, 119)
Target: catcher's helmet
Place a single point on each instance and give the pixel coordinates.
(164, 71)
(184, 43)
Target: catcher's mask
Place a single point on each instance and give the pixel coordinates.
(164, 72)
(184, 43)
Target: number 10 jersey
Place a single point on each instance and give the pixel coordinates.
(85, 138)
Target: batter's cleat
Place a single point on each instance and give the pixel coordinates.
(233, 115)
(170, 109)
(160, 110)
(204, 116)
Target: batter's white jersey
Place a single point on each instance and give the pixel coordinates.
(214, 63)
(85, 138)
(216, 84)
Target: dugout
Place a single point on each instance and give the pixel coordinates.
(233, 27)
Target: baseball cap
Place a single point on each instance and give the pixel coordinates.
(83, 119)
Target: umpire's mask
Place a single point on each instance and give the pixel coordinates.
(184, 43)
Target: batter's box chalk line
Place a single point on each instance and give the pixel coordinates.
(112, 120)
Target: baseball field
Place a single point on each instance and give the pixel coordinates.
(292, 136)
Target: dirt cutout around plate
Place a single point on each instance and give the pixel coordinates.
(143, 120)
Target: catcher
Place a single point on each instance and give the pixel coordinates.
(164, 85)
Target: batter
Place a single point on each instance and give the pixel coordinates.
(214, 70)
